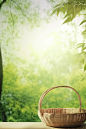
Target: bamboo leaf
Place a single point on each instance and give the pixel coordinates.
(84, 32)
(84, 67)
(84, 48)
(57, 5)
(70, 18)
(82, 22)
(81, 45)
(70, 9)
(57, 12)
(77, 9)
(54, 11)
(66, 16)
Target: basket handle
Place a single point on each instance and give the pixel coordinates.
(43, 95)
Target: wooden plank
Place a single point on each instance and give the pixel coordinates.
(31, 125)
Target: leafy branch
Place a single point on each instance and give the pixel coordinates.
(12, 18)
(22, 11)
(71, 9)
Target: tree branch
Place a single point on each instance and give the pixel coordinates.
(2, 3)
(12, 18)
(22, 11)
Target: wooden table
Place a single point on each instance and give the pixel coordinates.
(31, 125)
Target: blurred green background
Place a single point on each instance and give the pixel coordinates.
(39, 52)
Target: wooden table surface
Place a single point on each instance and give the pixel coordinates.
(31, 125)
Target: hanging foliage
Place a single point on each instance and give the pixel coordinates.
(71, 9)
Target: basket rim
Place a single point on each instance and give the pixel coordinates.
(62, 108)
(43, 95)
(64, 113)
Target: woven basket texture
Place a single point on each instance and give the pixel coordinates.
(61, 117)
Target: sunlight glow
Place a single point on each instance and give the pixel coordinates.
(41, 38)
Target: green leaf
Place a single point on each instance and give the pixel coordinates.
(57, 12)
(53, 12)
(77, 9)
(84, 32)
(81, 45)
(84, 48)
(66, 16)
(70, 18)
(84, 67)
(82, 22)
(70, 9)
(57, 5)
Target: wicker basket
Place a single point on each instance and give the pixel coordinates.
(61, 117)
